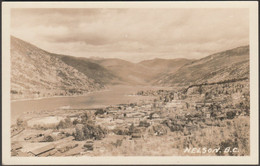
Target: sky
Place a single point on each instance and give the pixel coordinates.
(132, 34)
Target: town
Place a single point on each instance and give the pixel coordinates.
(207, 115)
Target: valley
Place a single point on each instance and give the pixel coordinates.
(71, 106)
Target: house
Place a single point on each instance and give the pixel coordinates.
(17, 146)
(29, 137)
(22, 154)
(155, 116)
(136, 135)
(208, 122)
(74, 151)
(205, 109)
(221, 117)
(49, 153)
(207, 104)
(113, 112)
(199, 105)
(16, 132)
(14, 153)
(192, 127)
(176, 104)
(89, 145)
(207, 115)
(119, 121)
(42, 150)
(158, 120)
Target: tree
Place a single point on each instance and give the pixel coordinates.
(100, 111)
(213, 114)
(75, 122)
(79, 135)
(231, 114)
(21, 123)
(144, 124)
(66, 123)
(84, 117)
(89, 131)
(227, 144)
(48, 139)
(131, 129)
(200, 90)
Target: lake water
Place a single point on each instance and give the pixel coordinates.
(114, 95)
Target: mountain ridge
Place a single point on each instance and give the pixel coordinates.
(229, 64)
(36, 72)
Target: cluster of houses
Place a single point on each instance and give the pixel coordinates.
(190, 113)
(204, 106)
(63, 147)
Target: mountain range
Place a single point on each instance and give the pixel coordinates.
(226, 65)
(38, 73)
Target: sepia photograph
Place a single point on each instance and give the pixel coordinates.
(90, 80)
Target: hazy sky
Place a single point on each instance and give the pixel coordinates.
(132, 34)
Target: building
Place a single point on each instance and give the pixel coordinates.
(155, 116)
(43, 151)
(179, 104)
(17, 146)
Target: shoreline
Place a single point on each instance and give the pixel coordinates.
(39, 98)
(109, 88)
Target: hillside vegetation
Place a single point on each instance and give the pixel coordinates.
(226, 65)
(38, 73)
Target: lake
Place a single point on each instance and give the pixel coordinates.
(119, 94)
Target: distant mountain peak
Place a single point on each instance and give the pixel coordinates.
(96, 58)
